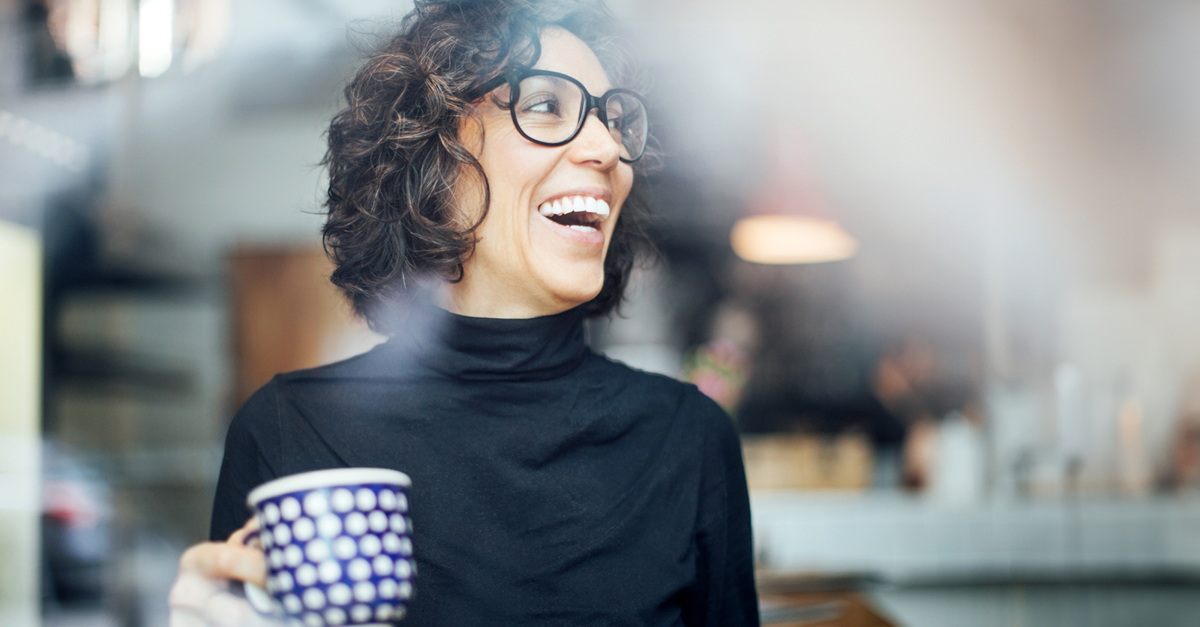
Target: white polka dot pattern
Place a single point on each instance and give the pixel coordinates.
(316, 551)
(293, 555)
(329, 572)
(303, 529)
(289, 508)
(314, 599)
(364, 591)
(369, 546)
(306, 575)
(335, 616)
(329, 525)
(391, 543)
(315, 503)
(356, 524)
(343, 500)
(338, 556)
(359, 569)
(344, 548)
(377, 521)
(365, 499)
(339, 594)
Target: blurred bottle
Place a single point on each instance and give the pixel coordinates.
(959, 470)
(1071, 412)
(1133, 470)
(1186, 471)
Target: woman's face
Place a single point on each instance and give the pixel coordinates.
(527, 264)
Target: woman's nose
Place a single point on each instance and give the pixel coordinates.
(595, 143)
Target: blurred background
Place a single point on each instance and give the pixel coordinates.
(939, 260)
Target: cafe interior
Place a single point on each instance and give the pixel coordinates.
(940, 262)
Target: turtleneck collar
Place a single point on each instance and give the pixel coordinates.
(494, 349)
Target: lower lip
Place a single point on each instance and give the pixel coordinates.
(593, 238)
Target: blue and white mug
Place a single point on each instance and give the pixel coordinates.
(338, 545)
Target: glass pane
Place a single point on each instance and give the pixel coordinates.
(627, 123)
(548, 108)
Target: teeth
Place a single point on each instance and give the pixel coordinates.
(574, 204)
(585, 229)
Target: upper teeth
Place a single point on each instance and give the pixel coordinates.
(574, 203)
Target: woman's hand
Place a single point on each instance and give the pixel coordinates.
(201, 596)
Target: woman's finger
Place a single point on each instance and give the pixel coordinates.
(239, 536)
(225, 561)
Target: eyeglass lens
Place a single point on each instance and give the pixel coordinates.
(550, 109)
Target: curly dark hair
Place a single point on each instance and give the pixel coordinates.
(395, 157)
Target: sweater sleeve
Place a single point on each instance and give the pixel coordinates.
(252, 453)
(724, 593)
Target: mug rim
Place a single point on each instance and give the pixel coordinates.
(328, 478)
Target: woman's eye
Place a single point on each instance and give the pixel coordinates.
(545, 104)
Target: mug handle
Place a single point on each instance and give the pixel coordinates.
(258, 598)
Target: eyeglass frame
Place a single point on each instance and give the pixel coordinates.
(590, 102)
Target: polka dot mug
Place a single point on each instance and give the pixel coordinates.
(338, 545)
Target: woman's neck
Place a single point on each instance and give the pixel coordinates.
(462, 299)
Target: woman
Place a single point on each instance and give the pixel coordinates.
(476, 181)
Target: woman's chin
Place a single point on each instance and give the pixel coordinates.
(570, 291)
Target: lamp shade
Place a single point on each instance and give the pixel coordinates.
(788, 223)
(788, 239)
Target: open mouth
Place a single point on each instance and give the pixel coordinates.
(582, 213)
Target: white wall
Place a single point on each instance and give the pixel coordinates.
(20, 398)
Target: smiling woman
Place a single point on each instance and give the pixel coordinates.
(550, 485)
(527, 264)
(428, 137)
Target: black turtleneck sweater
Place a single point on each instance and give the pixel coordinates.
(551, 486)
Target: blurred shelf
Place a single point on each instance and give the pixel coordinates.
(141, 380)
(907, 539)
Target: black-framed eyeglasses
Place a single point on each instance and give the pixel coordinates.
(550, 109)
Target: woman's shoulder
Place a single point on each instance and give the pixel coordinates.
(686, 395)
(356, 366)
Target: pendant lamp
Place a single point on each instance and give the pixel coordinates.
(789, 222)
